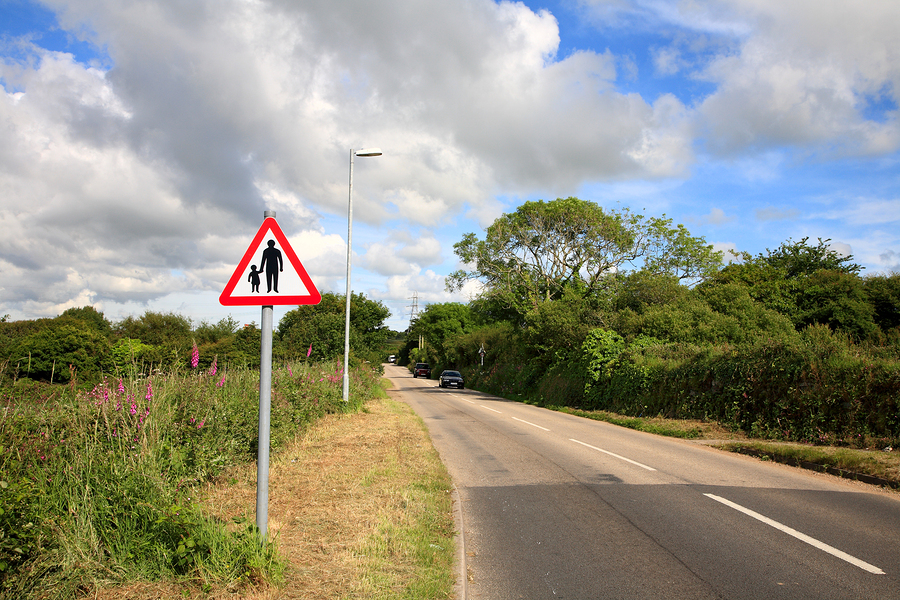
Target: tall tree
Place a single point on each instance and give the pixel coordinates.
(322, 325)
(440, 323)
(532, 255)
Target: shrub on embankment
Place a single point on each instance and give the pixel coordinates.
(817, 387)
(100, 485)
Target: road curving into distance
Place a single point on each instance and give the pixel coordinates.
(561, 507)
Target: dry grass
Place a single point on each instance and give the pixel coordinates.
(360, 507)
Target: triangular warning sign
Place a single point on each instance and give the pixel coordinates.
(269, 273)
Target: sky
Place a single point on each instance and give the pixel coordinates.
(142, 141)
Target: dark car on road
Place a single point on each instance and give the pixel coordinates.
(452, 379)
(422, 370)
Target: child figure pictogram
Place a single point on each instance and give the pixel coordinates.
(253, 278)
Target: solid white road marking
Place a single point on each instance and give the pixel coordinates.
(800, 536)
(489, 408)
(532, 424)
(628, 460)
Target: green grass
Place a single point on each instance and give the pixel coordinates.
(416, 529)
(877, 463)
(98, 485)
(666, 427)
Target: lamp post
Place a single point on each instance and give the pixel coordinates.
(353, 153)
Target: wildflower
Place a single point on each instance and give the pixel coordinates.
(221, 381)
(308, 352)
(133, 408)
(200, 424)
(213, 366)
(121, 387)
(290, 372)
(195, 356)
(149, 395)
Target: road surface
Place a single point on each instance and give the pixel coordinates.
(556, 506)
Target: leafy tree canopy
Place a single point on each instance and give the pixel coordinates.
(90, 316)
(322, 325)
(883, 292)
(158, 329)
(56, 353)
(439, 324)
(532, 255)
(801, 258)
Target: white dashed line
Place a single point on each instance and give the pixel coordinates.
(628, 460)
(532, 424)
(800, 536)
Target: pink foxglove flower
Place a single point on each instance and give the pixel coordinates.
(195, 357)
(221, 381)
(121, 387)
(149, 395)
(214, 366)
(308, 352)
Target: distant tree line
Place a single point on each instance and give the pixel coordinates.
(82, 344)
(600, 309)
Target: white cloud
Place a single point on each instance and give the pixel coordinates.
(717, 216)
(772, 213)
(865, 211)
(133, 180)
(729, 250)
(802, 76)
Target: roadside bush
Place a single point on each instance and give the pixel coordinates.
(62, 353)
(817, 387)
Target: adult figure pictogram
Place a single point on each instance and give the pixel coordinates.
(272, 262)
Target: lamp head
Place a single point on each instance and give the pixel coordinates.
(368, 152)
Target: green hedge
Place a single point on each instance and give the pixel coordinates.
(819, 387)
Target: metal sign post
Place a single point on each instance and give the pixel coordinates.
(265, 411)
(297, 288)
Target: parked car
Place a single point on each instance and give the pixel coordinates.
(452, 379)
(392, 358)
(422, 370)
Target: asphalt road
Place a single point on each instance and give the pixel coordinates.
(556, 506)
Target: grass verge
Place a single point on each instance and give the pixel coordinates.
(360, 506)
(875, 466)
(668, 427)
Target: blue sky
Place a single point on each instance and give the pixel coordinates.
(144, 140)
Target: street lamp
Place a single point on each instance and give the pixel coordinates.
(353, 153)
